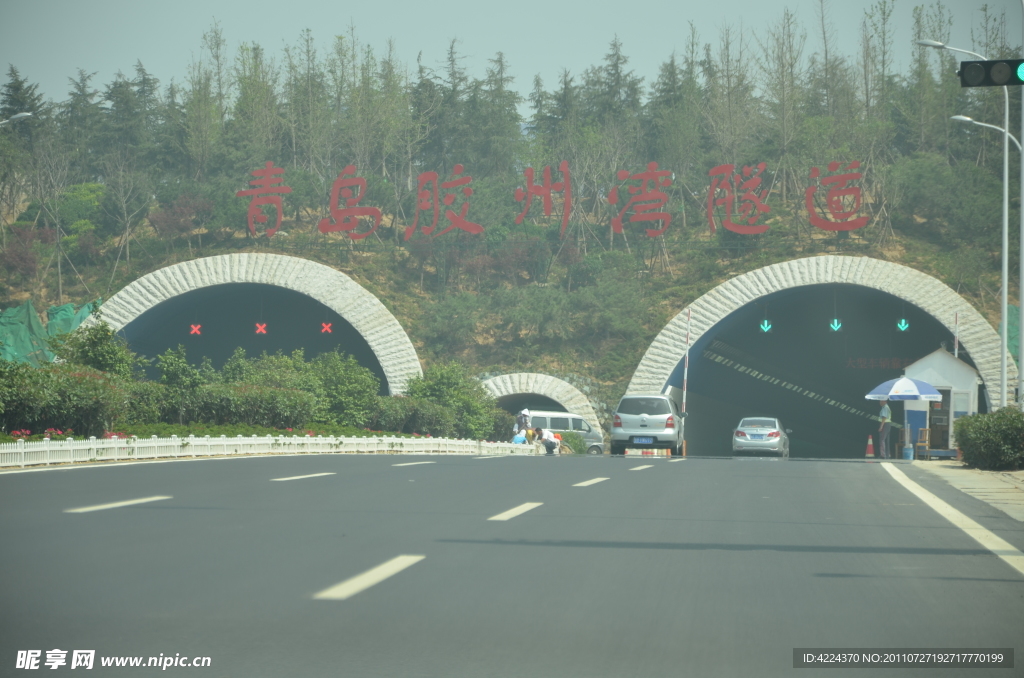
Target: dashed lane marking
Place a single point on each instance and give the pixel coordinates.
(311, 475)
(997, 545)
(592, 481)
(361, 582)
(517, 511)
(116, 504)
(415, 463)
(641, 468)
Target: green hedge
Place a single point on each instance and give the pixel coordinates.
(994, 441)
(574, 441)
(60, 397)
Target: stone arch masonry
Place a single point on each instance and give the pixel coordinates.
(381, 330)
(562, 392)
(927, 293)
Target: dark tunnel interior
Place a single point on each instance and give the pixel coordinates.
(801, 371)
(516, 402)
(213, 321)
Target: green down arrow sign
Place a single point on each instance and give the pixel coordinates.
(765, 325)
(836, 324)
(903, 325)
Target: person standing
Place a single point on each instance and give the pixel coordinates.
(883, 429)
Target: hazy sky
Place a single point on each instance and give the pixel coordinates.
(48, 40)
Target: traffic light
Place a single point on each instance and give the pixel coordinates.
(1008, 72)
(836, 324)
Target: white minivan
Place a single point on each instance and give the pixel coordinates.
(568, 421)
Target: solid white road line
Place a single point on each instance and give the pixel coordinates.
(587, 483)
(116, 504)
(361, 582)
(311, 475)
(993, 543)
(415, 463)
(641, 468)
(672, 460)
(517, 511)
(492, 456)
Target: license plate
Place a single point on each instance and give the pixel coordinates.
(757, 436)
(643, 441)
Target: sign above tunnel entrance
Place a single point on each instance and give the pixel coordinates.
(737, 200)
(903, 325)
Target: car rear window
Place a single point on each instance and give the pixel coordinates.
(644, 406)
(762, 423)
(559, 423)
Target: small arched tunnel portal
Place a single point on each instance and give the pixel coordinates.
(802, 371)
(213, 321)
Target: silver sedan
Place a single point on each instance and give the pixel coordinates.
(761, 434)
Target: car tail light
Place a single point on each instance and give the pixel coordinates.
(774, 434)
(670, 422)
(617, 421)
(741, 434)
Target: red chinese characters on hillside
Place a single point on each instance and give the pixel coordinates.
(737, 191)
(544, 191)
(428, 192)
(347, 218)
(644, 199)
(737, 199)
(842, 200)
(266, 183)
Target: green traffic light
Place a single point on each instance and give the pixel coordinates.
(1020, 72)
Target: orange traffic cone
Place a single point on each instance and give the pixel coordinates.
(870, 453)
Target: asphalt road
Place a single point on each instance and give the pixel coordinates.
(699, 567)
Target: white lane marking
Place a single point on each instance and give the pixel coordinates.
(592, 481)
(311, 475)
(116, 504)
(672, 460)
(993, 543)
(641, 468)
(415, 463)
(361, 582)
(517, 511)
(492, 456)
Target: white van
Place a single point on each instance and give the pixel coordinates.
(559, 422)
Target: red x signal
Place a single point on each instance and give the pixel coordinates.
(326, 329)
(195, 329)
(261, 328)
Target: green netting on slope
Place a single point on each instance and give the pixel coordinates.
(23, 337)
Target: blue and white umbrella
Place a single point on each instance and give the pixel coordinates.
(904, 388)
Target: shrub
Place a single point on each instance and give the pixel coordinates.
(451, 386)
(60, 397)
(97, 347)
(253, 405)
(994, 441)
(574, 441)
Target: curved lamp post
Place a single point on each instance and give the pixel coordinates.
(1004, 302)
(1020, 300)
(15, 118)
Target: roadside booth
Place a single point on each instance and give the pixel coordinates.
(958, 383)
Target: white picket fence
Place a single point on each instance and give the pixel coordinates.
(72, 451)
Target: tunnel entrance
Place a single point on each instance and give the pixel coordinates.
(213, 321)
(802, 371)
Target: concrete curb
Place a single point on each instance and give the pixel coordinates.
(1000, 489)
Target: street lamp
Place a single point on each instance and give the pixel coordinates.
(1004, 301)
(14, 118)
